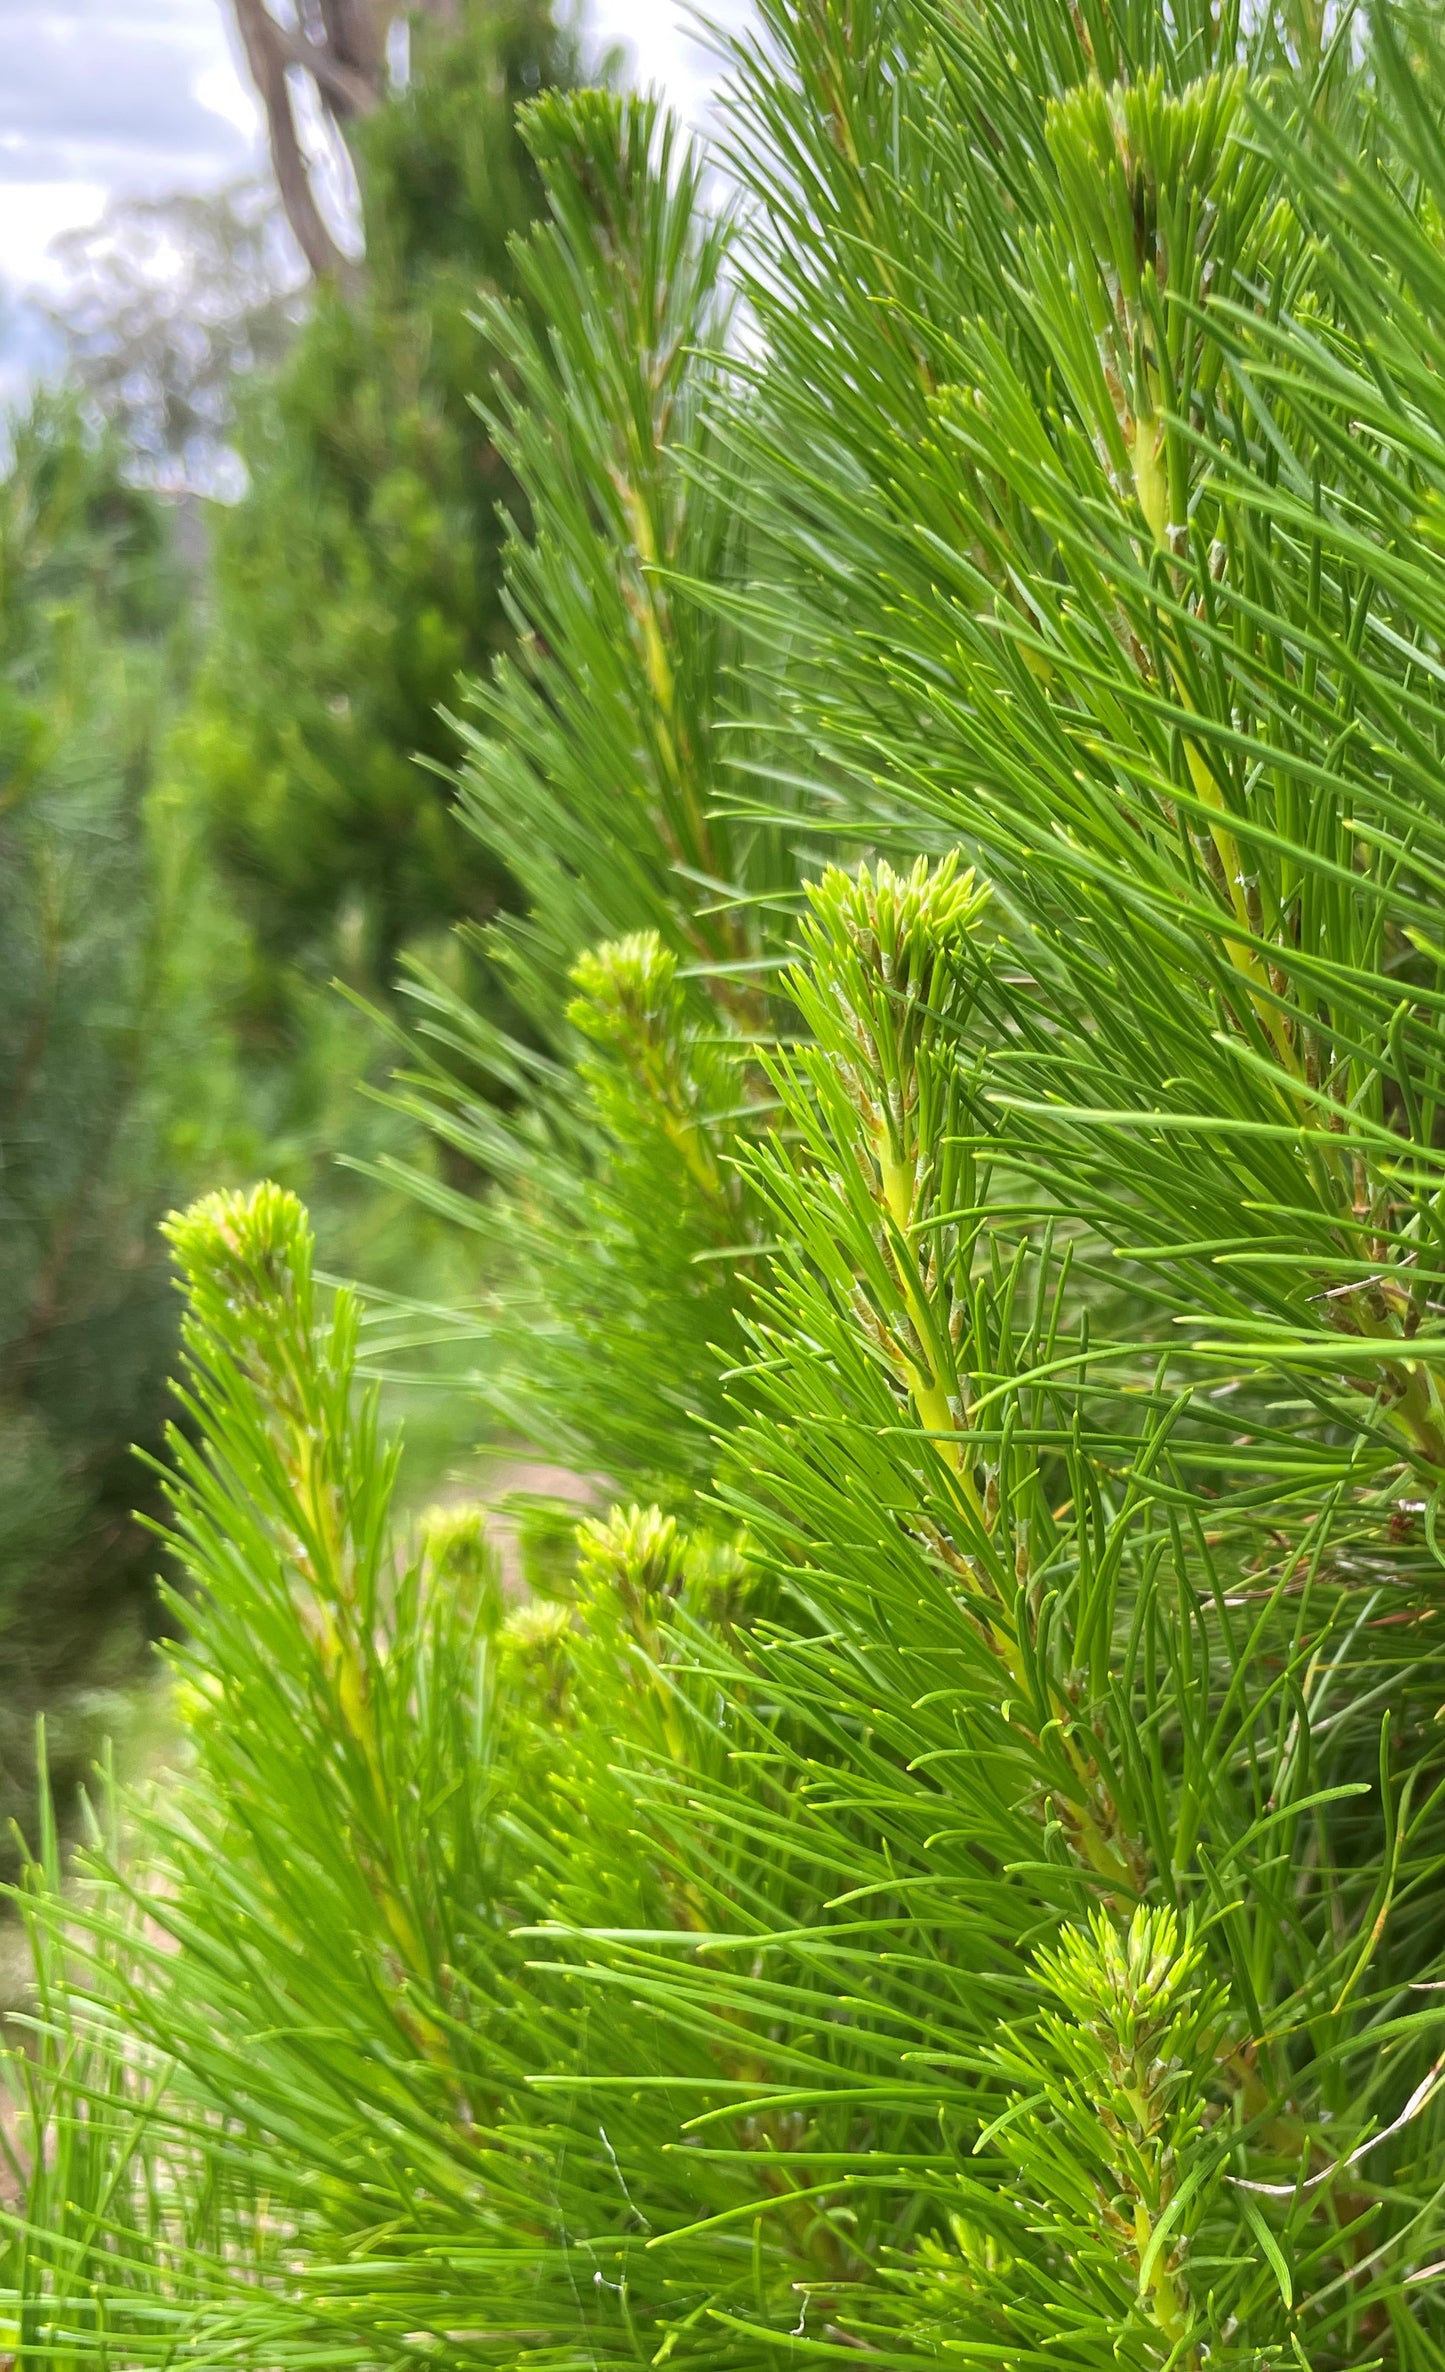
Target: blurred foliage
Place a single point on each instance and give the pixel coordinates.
(90, 645)
(361, 570)
(210, 800)
(165, 306)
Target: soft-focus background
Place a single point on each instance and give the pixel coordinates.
(110, 99)
(250, 527)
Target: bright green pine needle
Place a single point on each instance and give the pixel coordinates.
(947, 1869)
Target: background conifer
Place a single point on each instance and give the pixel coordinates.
(960, 1880)
(89, 604)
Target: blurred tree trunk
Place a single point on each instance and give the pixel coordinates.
(341, 47)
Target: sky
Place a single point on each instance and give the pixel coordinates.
(109, 98)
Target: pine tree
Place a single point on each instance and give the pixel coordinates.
(959, 1880)
(88, 604)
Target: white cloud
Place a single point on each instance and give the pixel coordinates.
(220, 91)
(32, 213)
(118, 98)
(29, 349)
(665, 47)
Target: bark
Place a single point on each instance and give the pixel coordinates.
(266, 49)
(345, 90)
(355, 32)
(341, 45)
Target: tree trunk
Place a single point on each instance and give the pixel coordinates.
(268, 56)
(341, 45)
(355, 35)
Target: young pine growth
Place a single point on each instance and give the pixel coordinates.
(932, 1332)
(885, 994)
(983, 1904)
(660, 1077)
(1162, 200)
(316, 1624)
(1102, 2170)
(1109, 2141)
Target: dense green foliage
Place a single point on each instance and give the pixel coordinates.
(148, 1049)
(360, 570)
(956, 1877)
(597, 756)
(88, 610)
